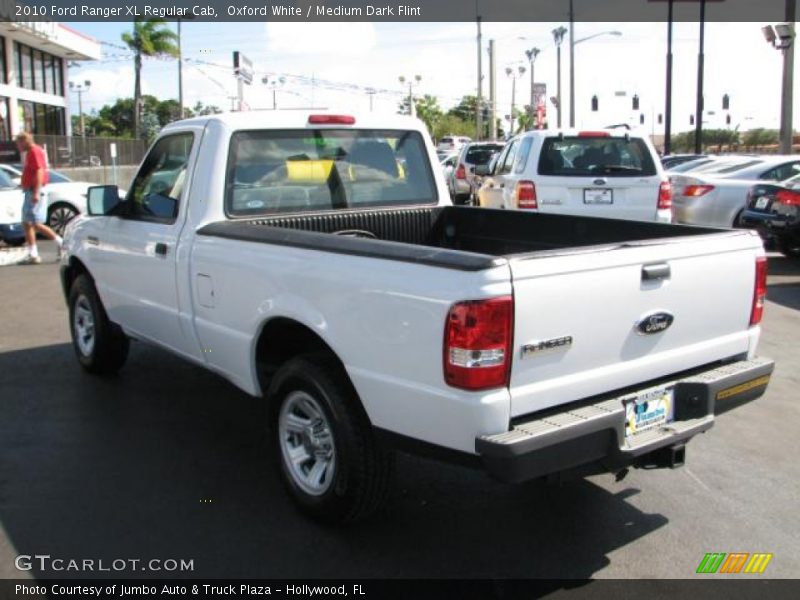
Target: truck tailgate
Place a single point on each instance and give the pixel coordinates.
(576, 319)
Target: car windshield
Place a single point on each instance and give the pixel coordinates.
(596, 155)
(324, 169)
(481, 155)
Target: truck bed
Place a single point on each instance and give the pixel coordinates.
(462, 238)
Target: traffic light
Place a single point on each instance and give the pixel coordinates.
(660, 118)
(595, 103)
(641, 118)
(727, 119)
(636, 102)
(691, 119)
(726, 102)
(485, 113)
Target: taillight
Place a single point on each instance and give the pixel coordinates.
(461, 172)
(788, 197)
(665, 195)
(760, 291)
(591, 134)
(477, 343)
(526, 195)
(331, 120)
(695, 191)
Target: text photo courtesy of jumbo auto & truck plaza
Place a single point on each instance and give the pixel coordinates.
(425, 300)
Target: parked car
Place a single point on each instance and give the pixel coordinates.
(608, 173)
(717, 198)
(451, 143)
(66, 199)
(11, 199)
(463, 179)
(698, 164)
(774, 210)
(289, 253)
(673, 160)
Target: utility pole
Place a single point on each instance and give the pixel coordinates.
(668, 99)
(479, 101)
(788, 83)
(180, 71)
(532, 54)
(698, 113)
(492, 93)
(412, 109)
(571, 65)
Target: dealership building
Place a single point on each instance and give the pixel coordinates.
(34, 62)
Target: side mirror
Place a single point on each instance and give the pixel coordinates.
(102, 200)
(482, 170)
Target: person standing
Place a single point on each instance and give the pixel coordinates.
(34, 207)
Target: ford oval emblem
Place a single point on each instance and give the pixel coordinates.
(654, 323)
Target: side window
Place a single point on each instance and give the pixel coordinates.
(781, 172)
(507, 162)
(522, 155)
(156, 192)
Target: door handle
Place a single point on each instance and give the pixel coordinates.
(94, 241)
(161, 249)
(656, 272)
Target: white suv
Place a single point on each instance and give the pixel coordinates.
(608, 173)
(452, 143)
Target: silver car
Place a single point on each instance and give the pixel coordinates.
(463, 180)
(717, 198)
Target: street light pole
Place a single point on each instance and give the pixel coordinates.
(513, 75)
(788, 83)
(532, 54)
(558, 37)
(80, 89)
(412, 110)
(668, 100)
(479, 100)
(698, 115)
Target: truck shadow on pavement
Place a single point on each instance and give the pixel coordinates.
(785, 293)
(169, 461)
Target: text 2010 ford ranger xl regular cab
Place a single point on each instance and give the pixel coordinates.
(313, 259)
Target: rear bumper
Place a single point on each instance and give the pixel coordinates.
(769, 223)
(594, 433)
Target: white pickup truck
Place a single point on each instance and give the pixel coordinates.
(313, 259)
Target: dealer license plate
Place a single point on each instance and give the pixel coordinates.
(598, 196)
(649, 409)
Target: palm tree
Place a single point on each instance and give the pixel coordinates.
(150, 37)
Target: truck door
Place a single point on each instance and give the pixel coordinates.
(137, 262)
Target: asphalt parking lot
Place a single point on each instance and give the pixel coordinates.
(169, 461)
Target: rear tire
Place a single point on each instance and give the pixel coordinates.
(789, 247)
(59, 215)
(100, 346)
(326, 452)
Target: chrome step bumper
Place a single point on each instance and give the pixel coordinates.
(595, 432)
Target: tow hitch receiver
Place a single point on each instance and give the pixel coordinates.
(670, 457)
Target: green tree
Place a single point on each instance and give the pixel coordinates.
(760, 137)
(150, 37)
(201, 110)
(427, 109)
(465, 109)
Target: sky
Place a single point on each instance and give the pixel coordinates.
(343, 60)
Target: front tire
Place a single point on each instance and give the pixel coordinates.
(326, 451)
(100, 346)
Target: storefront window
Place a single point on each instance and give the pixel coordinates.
(57, 66)
(49, 76)
(36, 70)
(5, 129)
(3, 71)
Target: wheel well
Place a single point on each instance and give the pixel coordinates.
(71, 272)
(282, 339)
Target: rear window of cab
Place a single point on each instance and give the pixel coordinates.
(282, 171)
(596, 155)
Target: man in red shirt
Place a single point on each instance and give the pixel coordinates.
(34, 207)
